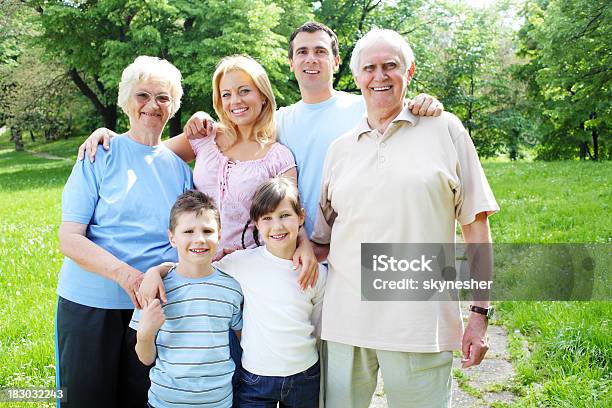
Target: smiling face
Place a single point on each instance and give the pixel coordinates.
(241, 100)
(195, 237)
(279, 229)
(313, 62)
(382, 78)
(149, 105)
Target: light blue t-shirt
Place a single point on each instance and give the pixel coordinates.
(193, 365)
(308, 130)
(124, 197)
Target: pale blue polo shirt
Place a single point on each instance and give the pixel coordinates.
(124, 197)
(308, 129)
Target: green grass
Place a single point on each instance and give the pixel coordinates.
(569, 361)
(549, 202)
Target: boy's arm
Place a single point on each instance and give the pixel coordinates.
(152, 285)
(151, 319)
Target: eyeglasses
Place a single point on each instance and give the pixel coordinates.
(144, 97)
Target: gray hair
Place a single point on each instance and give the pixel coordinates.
(388, 36)
(144, 68)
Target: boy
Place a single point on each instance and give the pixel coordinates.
(187, 337)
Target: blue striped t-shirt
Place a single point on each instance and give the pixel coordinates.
(193, 365)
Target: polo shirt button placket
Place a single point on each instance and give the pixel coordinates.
(381, 156)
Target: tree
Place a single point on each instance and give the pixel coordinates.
(96, 40)
(568, 72)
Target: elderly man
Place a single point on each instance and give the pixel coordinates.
(396, 178)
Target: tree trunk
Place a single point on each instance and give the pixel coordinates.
(108, 113)
(32, 136)
(582, 151)
(16, 137)
(176, 127)
(595, 136)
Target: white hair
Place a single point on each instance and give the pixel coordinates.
(382, 35)
(144, 68)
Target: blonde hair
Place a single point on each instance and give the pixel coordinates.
(144, 68)
(265, 126)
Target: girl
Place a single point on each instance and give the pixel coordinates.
(278, 335)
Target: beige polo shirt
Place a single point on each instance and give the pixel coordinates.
(408, 185)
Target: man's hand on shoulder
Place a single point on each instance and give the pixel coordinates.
(425, 105)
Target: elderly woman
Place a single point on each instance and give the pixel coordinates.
(114, 220)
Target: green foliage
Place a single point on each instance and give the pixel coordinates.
(546, 87)
(96, 40)
(567, 46)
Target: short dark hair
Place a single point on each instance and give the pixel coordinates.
(267, 197)
(313, 27)
(192, 201)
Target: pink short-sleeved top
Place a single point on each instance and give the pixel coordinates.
(231, 184)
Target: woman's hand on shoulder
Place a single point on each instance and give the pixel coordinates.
(90, 145)
(304, 255)
(152, 286)
(199, 125)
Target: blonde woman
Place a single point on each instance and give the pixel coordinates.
(243, 153)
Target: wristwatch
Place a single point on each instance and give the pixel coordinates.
(486, 312)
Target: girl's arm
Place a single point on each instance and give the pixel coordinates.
(151, 319)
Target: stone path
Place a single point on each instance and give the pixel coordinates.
(479, 386)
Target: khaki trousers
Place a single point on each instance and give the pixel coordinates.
(419, 380)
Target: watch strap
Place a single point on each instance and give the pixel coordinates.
(480, 310)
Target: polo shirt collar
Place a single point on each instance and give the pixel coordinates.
(404, 116)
